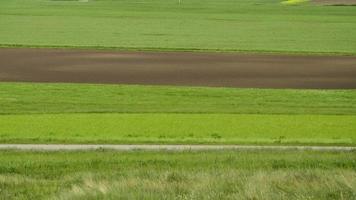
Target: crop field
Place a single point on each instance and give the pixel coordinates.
(178, 175)
(50, 98)
(178, 68)
(81, 113)
(187, 72)
(179, 129)
(208, 25)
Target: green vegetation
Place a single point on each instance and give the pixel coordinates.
(88, 113)
(209, 25)
(84, 113)
(26, 98)
(178, 128)
(294, 2)
(178, 175)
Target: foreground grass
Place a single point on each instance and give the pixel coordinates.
(225, 25)
(26, 98)
(178, 128)
(84, 113)
(178, 175)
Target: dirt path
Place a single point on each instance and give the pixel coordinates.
(334, 2)
(192, 69)
(84, 147)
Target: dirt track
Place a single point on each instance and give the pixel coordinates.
(124, 147)
(335, 2)
(198, 69)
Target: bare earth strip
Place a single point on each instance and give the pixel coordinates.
(190, 69)
(84, 147)
(335, 2)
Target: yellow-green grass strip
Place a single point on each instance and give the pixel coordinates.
(179, 129)
(294, 2)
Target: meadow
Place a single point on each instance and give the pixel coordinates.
(46, 98)
(194, 25)
(179, 129)
(178, 175)
(133, 114)
(89, 113)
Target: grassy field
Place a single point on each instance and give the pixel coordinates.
(27, 98)
(180, 175)
(178, 128)
(88, 113)
(225, 25)
(82, 113)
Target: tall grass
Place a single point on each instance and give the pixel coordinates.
(180, 175)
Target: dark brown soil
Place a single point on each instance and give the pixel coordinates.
(193, 69)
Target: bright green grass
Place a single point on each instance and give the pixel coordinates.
(25, 98)
(294, 2)
(82, 113)
(224, 25)
(267, 175)
(178, 128)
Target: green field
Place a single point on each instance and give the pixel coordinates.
(44, 98)
(209, 25)
(42, 113)
(85, 113)
(268, 175)
(178, 128)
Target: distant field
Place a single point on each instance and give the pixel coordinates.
(268, 175)
(207, 25)
(84, 113)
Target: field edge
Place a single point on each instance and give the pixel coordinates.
(196, 50)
